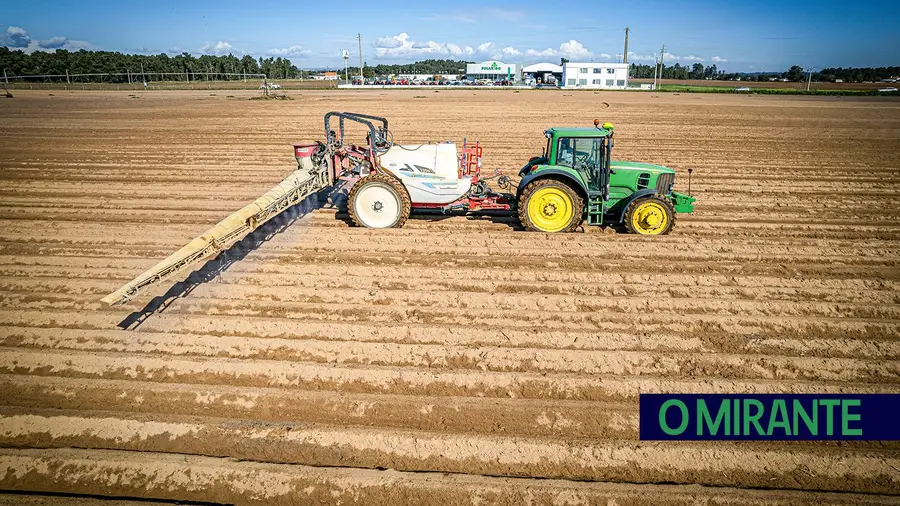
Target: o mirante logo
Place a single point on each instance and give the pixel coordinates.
(769, 416)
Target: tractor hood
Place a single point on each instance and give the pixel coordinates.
(643, 167)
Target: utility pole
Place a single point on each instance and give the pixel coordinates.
(67, 77)
(662, 55)
(359, 40)
(625, 54)
(809, 80)
(655, 69)
(5, 78)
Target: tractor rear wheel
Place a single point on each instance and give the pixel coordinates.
(548, 205)
(378, 201)
(652, 215)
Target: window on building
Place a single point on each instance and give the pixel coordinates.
(609, 82)
(598, 70)
(597, 81)
(620, 82)
(583, 70)
(582, 82)
(610, 71)
(571, 82)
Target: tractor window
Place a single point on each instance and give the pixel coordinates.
(592, 157)
(565, 152)
(580, 154)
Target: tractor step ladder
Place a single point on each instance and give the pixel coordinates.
(595, 208)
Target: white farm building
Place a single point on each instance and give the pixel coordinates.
(612, 76)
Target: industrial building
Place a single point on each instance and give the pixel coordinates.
(493, 71)
(613, 76)
(543, 73)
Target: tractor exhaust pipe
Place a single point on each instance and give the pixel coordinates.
(689, 181)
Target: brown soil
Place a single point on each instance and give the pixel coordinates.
(458, 360)
(773, 84)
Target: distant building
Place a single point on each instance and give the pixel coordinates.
(543, 73)
(493, 71)
(326, 76)
(612, 76)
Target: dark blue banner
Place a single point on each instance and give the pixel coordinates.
(677, 417)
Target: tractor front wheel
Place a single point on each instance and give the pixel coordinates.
(378, 201)
(548, 205)
(650, 216)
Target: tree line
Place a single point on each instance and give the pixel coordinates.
(135, 67)
(795, 74)
(430, 66)
(185, 65)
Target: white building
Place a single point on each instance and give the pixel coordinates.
(326, 76)
(612, 76)
(546, 73)
(492, 70)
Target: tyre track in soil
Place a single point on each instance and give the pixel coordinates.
(460, 346)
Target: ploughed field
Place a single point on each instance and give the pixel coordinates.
(455, 360)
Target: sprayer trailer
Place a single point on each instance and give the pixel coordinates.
(573, 180)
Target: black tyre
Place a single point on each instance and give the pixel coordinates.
(653, 215)
(549, 205)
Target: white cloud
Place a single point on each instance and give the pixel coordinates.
(457, 51)
(292, 51)
(574, 50)
(219, 48)
(392, 42)
(486, 47)
(402, 46)
(672, 57)
(17, 38)
(718, 59)
(640, 57)
(571, 50)
(669, 57)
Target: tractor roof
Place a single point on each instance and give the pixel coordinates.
(579, 132)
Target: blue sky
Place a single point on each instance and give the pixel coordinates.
(751, 35)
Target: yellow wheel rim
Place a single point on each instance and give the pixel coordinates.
(650, 218)
(551, 209)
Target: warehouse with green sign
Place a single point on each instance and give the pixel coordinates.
(492, 70)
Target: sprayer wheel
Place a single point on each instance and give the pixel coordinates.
(379, 201)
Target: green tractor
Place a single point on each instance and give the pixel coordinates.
(575, 177)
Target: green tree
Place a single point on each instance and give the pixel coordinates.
(795, 73)
(697, 71)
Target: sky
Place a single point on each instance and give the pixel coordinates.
(748, 36)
